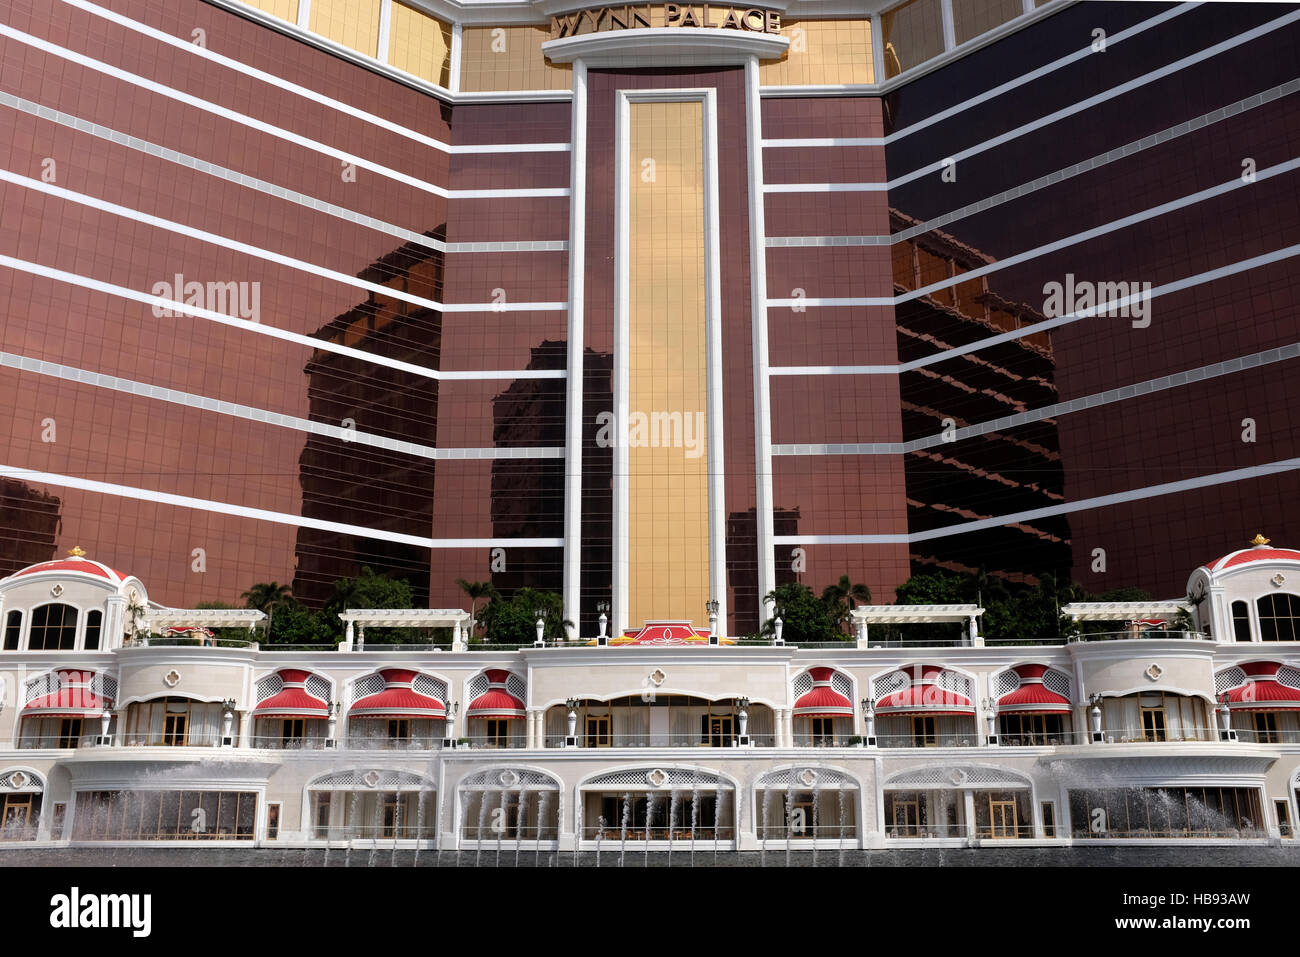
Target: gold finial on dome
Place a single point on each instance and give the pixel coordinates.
(1259, 540)
(77, 552)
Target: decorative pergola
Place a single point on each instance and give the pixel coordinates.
(158, 619)
(1133, 613)
(357, 619)
(865, 615)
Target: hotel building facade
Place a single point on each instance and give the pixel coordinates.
(130, 724)
(649, 305)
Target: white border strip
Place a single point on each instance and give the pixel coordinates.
(1056, 410)
(267, 128)
(1052, 178)
(99, 380)
(764, 530)
(267, 255)
(1085, 104)
(264, 515)
(707, 97)
(997, 91)
(316, 96)
(279, 192)
(1095, 232)
(1087, 504)
(573, 410)
(1178, 285)
(311, 342)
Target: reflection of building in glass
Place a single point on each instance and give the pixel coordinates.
(357, 482)
(528, 493)
(29, 525)
(742, 563)
(1000, 470)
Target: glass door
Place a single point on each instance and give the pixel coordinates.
(16, 817)
(598, 731)
(1153, 724)
(1003, 819)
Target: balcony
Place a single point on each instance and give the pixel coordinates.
(659, 741)
(928, 740)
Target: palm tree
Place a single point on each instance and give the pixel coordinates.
(474, 591)
(267, 597)
(991, 585)
(844, 596)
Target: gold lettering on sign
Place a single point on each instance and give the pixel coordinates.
(630, 16)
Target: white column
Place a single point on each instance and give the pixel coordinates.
(713, 359)
(246, 730)
(969, 799)
(572, 584)
(764, 531)
(114, 622)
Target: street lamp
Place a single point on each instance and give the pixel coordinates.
(572, 705)
(712, 606)
(603, 620)
(742, 718)
(1094, 700)
(541, 626)
(869, 717)
(227, 719)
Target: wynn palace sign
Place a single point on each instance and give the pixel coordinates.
(642, 16)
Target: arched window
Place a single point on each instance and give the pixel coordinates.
(54, 628)
(1279, 617)
(1241, 620)
(13, 629)
(93, 621)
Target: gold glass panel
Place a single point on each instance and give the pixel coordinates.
(284, 9)
(494, 59)
(420, 45)
(821, 52)
(970, 18)
(353, 23)
(912, 33)
(668, 493)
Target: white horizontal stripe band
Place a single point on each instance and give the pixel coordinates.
(825, 187)
(1177, 286)
(314, 95)
(144, 390)
(1087, 104)
(216, 110)
(1100, 501)
(1115, 155)
(1081, 54)
(271, 189)
(266, 254)
(324, 345)
(1056, 246)
(267, 128)
(1056, 410)
(263, 515)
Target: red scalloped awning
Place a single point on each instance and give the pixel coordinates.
(292, 701)
(822, 701)
(1032, 697)
(924, 699)
(398, 699)
(1264, 695)
(496, 702)
(74, 701)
